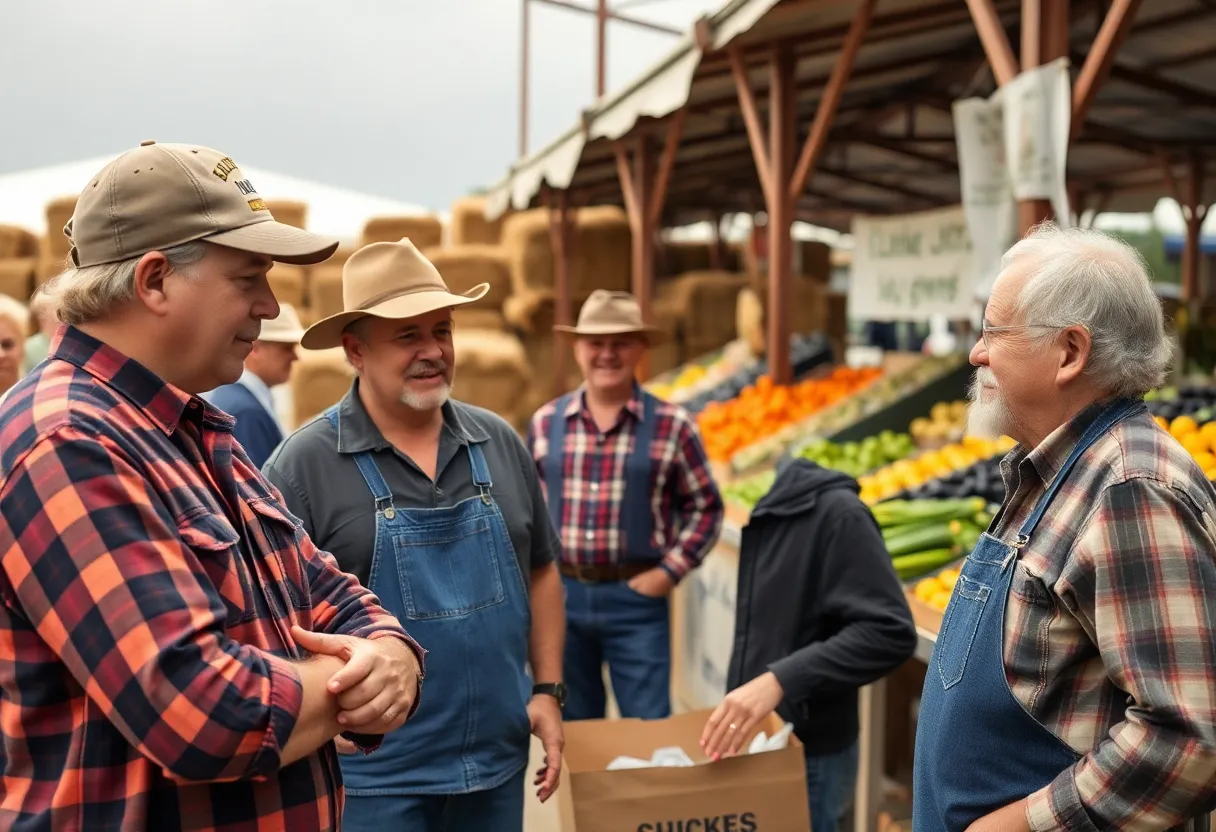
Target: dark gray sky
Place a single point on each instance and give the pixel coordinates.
(411, 99)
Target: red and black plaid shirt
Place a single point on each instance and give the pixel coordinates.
(684, 499)
(150, 577)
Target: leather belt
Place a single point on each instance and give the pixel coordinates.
(605, 573)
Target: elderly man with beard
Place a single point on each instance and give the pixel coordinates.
(1073, 685)
(434, 504)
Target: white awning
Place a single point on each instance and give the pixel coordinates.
(660, 91)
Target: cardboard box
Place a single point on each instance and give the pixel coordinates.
(750, 793)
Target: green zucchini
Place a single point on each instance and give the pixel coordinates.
(920, 539)
(919, 563)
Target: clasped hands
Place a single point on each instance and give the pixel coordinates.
(377, 684)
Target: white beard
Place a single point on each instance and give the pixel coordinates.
(433, 400)
(989, 418)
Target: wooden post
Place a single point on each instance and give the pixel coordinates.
(1195, 211)
(559, 240)
(644, 190)
(601, 38)
(1040, 40)
(783, 118)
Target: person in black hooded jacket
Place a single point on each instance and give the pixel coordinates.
(820, 614)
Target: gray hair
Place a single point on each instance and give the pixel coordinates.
(84, 294)
(16, 313)
(1084, 277)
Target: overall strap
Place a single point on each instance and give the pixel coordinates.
(481, 471)
(367, 467)
(637, 518)
(555, 462)
(1110, 416)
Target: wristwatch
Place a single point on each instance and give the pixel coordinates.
(555, 689)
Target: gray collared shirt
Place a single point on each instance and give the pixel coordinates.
(315, 469)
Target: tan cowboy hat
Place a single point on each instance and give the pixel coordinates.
(386, 280)
(612, 313)
(285, 329)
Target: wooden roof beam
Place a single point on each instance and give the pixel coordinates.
(1101, 59)
(994, 39)
(817, 138)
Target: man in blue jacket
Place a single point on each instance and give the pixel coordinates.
(249, 399)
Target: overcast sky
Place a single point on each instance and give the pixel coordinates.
(412, 99)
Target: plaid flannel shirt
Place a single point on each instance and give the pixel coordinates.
(1110, 627)
(150, 577)
(684, 500)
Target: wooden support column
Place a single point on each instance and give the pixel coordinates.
(1195, 213)
(559, 241)
(1115, 26)
(644, 189)
(994, 40)
(1040, 39)
(782, 133)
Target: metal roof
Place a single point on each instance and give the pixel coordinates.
(892, 147)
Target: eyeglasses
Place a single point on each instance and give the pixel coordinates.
(985, 328)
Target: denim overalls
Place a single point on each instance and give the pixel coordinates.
(451, 577)
(977, 748)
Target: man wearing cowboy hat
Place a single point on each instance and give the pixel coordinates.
(436, 507)
(249, 399)
(177, 653)
(636, 508)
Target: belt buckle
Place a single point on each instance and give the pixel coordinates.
(587, 574)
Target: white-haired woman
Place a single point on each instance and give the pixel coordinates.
(14, 324)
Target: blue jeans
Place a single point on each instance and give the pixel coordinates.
(830, 781)
(500, 809)
(611, 623)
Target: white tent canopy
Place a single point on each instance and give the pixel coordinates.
(338, 212)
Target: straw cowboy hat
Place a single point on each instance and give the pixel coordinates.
(612, 313)
(386, 280)
(285, 329)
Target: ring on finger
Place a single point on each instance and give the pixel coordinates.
(733, 727)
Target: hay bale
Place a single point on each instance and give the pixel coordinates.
(705, 303)
(491, 370)
(474, 317)
(676, 258)
(525, 242)
(17, 277)
(319, 379)
(807, 309)
(17, 242)
(288, 283)
(469, 224)
(58, 212)
(465, 266)
(49, 266)
(601, 256)
(289, 211)
(325, 290)
(813, 259)
(425, 231)
(749, 321)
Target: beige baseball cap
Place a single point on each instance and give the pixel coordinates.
(162, 195)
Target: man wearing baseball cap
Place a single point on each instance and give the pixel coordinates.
(178, 653)
(434, 505)
(249, 399)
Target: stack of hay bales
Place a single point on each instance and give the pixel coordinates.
(425, 231)
(704, 304)
(319, 379)
(289, 211)
(599, 259)
(289, 283)
(466, 266)
(468, 224)
(18, 262)
(808, 307)
(491, 369)
(325, 286)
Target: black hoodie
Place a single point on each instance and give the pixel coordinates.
(819, 603)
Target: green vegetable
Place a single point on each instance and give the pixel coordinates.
(889, 532)
(895, 512)
(918, 540)
(919, 563)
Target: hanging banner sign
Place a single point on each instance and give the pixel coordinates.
(987, 191)
(1038, 117)
(911, 267)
